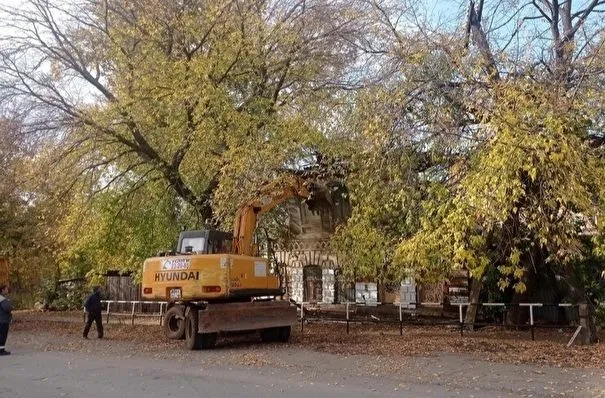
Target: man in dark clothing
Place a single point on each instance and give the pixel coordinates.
(93, 309)
(6, 309)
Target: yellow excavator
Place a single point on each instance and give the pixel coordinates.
(216, 282)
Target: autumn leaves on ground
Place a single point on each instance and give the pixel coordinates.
(46, 331)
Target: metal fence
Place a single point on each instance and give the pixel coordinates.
(137, 309)
(308, 312)
(350, 316)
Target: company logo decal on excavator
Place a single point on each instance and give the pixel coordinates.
(176, 263)
(176, 276)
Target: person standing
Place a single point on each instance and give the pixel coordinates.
(93, 309)
(6, 309)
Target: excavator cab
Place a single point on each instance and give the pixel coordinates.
(205, 241)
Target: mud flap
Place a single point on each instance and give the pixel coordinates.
(234, 317)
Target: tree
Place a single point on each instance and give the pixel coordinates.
(176, 90)
(26, 232)
(206, 99)
(509, 128)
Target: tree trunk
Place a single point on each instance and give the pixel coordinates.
(471, 313)
(586, 311)
(588, 333)
(515, 315)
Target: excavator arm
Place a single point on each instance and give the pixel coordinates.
(268, 197)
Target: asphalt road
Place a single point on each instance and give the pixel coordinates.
(52, 360)
(35, 374)
(57, 374)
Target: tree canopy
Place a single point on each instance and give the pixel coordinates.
(191, 104)
(488, 152)
(474, 141)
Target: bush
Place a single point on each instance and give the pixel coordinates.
(63, 296)
(23, 300)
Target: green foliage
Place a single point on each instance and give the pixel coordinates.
(142, 116)
(383, 184)
(188, 108)
(26, 223)
(492, 293)
(600, 316)
(520, 196)
(63, 297)
(588, 270)
(117, 232)
(367, 250)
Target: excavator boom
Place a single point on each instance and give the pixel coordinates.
(267, 198)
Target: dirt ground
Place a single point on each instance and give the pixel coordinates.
(370, 361)
(488, 344)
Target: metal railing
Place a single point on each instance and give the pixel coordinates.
(505, 306)
(348, 318)
(133, 313)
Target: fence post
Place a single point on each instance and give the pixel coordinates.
(531, 316)
(531, 322)
(134, 303)
(108, 302)
(347, 317)
(302, 317)
(400, 320)
(161, 313)
(504, 316)
(461, 320)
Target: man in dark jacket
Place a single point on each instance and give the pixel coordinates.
(6, 309)
(93, 309)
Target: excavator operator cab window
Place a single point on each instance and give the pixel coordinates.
(192, 242)
(193, 245)
(219, 246)
(205, 242)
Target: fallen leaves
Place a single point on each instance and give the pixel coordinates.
(491, 345)
(376, 340)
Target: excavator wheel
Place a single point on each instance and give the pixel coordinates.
(174, 323)
(284, 333)
(269, 335)
(193, 339)
(281, 334)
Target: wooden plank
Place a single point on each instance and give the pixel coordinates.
(573, 338)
